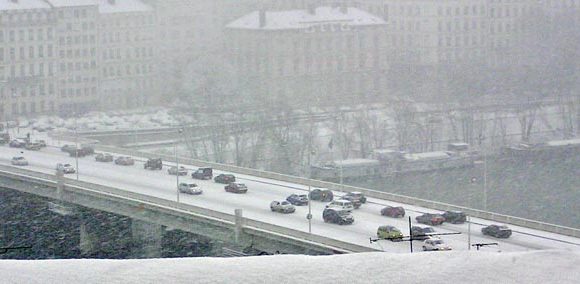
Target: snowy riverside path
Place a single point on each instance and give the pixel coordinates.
(255, 204)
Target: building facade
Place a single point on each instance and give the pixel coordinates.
(127, 54)
(318, 55)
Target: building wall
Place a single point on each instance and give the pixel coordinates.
(28, 56)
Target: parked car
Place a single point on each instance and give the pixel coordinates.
(17, 143)
(224, 178)
(236, 187)
(389, 233)
(104, 157)
(282, 207)
(19, 161)
(298, 199)
(32, 146)
(455, 217)
(393, 211)
(203, 173)
(498, 231)
(435, 244)
(430, 219)
(190, 188)
(182, 171)
(340, 217)
(340, 205)
(421, 233)
(66, 168)
(124, 161)
(321, 194)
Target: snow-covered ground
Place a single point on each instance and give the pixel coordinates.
(548, 266)
(262, 191)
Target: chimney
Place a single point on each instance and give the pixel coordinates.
(262, 16)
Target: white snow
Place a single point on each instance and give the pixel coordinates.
(301, 19)
(552, 266)
(122, 6)
(23, 4)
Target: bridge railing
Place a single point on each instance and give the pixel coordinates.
(501, 218)
(226, 219)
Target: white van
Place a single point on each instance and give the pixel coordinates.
(341, 205)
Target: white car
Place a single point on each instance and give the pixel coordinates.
(19, 161)
(190, 188)
(340, 205)
(66, 168)
(435, 244)
(282, 207)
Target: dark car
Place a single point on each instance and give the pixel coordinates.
(124, 161)
(321, 194)
(68, 148)
(104, 157)
(82, 152)
(182, 171)
(224, 178)
(17, 143)
(153, 164)
(42, 143)
(498, 231)
(430, 219)
(203, 173)
(393, 211)
(32, 146)
(236, 187)
(298, 199)
(421, 233)
(354, 196)
(337, 217)
(455, 217)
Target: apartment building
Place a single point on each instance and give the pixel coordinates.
(315, 55)
(127, 54)
(28, 58)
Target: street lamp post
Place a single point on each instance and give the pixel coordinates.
(76, 147)
(177, 162)
(484, 181)
(309, 216)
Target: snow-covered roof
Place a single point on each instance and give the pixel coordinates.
(71, 3)
(356, 162)
(23, 5)
(563, 142)
(301, 19)
(427, 156)
(122, 6)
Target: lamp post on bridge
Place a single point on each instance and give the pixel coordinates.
(179, 131)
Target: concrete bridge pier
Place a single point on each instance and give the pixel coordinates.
(147, 239)
(86, 240)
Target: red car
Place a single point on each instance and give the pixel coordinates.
(393, 211)
(430, 219)
(236, 187)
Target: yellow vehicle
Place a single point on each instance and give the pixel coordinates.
(389, 233)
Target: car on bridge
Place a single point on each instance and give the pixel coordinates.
(393, 211)
(33, 146)
(190, 188)
(390, 233)
(340, 217)
(124, 161)
(430, 219)
(357, 198)
(321, 194)
(455, 217)
(340, 205)
(82, 152)
(203, 173)
(68, 148)
(19, 161)
(421, 233)
(236, 187)
(224, 178)
(104, 157)
(282, 207)
(42, 143)
(17, 143)
(182, 171)
(435, 244)
(66, 168)
(298, 199)
(497, 231)
(153, 164)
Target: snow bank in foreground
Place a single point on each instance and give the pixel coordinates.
(445, 267)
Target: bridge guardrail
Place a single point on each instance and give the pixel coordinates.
(563, 230)
(192, 209)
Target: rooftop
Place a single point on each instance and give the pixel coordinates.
(23, 5)
(302, 19)
(122, 6)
